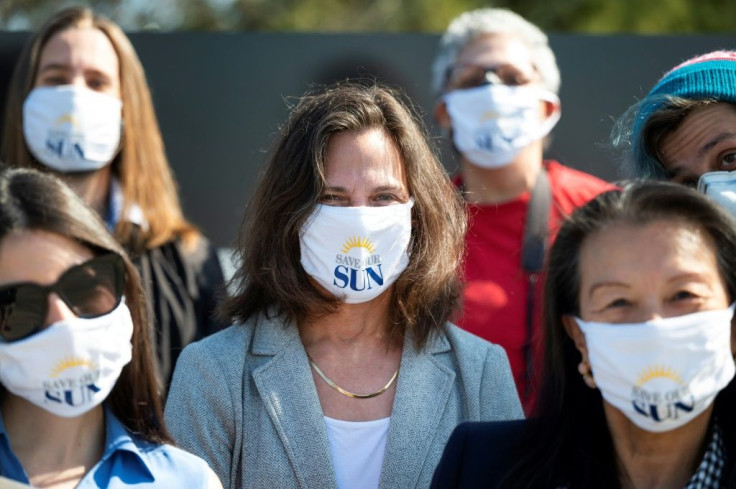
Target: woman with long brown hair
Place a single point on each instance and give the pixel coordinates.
(79, 106)
(79, 405)
(343, 370)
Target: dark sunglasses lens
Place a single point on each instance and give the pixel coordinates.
(470, 76)
(22, 311)
(93, 288)
(466, 77)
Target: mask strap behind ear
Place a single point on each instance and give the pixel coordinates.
(551, 121)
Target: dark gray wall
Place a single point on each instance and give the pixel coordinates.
(220, 97)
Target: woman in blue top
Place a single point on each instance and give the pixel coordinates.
(78, 402)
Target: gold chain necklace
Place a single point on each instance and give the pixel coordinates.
(348, 393)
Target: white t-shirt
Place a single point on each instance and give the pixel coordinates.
(357, 449)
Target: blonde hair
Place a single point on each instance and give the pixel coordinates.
(141, 166)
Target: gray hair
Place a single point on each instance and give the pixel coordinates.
(471, 25)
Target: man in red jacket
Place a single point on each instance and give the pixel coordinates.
(498, 80)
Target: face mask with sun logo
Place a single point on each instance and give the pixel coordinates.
(71, 366)
(662, 374)
(70, 129)
(356, 253)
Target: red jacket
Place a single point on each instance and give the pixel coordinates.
(495, 296)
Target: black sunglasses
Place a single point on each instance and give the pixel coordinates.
(465, 75)
(91, 289)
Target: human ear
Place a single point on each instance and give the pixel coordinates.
(550, 108)
(575, 333)
(441, 115)
(578, 338)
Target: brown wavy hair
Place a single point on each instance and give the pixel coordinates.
(271, 278)
(31, 200)
(141, 165)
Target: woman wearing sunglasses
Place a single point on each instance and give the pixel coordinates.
(78, 402)
(79, 106)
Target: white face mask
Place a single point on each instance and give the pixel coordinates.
(491, 124)
(721, 187)
(663, 373)
(72, 129)
(356, 252)
(71, 366)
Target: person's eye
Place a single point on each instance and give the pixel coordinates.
(617, 303)
(516, 79)
(383, 199)
(54, 80)
(469, 83)
(728, 162)
(97, 84)
(331, 199)
(683, 295)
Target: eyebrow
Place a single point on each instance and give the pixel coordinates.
(719, 138)
(714, 141)
(382, 188)
(335, 189)
(606, 284)
(63, 67)
(53, 66)
(695, 276)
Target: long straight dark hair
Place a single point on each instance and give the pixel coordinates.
(31, 200)
(568, 443)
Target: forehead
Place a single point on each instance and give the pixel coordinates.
(38, 256)
(690, 140)
(80, 47)
(369, 157)
(496, 49)
(631, 252)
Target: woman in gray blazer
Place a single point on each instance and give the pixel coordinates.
(342, 370)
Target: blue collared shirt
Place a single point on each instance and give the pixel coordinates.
(128, 461)
(115, 209)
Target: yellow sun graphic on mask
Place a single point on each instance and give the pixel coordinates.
(489, 115)
(659, 372)
(66, 118)
(71, 362)
(358, 242)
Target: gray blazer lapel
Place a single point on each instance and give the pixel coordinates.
(422, 392)
(287, 389)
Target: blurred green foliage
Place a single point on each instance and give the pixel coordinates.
(583, 16)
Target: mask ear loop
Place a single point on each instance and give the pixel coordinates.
(546, 127)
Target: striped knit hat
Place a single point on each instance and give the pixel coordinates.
(711, 75)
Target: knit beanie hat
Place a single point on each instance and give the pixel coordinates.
(711, 75)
